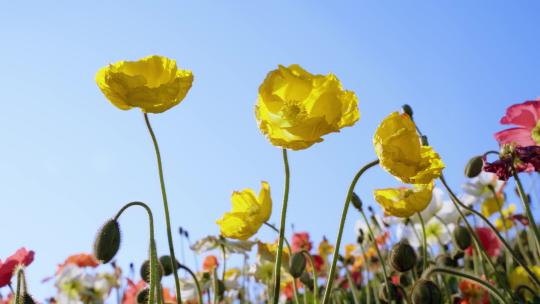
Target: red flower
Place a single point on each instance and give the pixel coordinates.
(526, 117)
(473, 293)
(81, 260)
(300, 241)
(130, 293)
(523, 158)
(20, 257)
(210, 263)
(489, 240)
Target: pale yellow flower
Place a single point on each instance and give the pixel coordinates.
(404, 202)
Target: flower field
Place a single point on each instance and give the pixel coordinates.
(427, 243)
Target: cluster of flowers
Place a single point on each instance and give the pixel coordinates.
(429, 245)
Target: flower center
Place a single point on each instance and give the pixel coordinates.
(535, 133)
(293, 111)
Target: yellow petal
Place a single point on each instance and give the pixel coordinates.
(404, 202)
(265, 202)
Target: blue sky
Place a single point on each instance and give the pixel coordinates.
(70, 160)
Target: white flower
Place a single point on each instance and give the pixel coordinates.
(231, 246)
(479, 187)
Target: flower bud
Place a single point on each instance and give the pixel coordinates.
(166, 263)
(426, 292)
(425, 141)
(474, 167)
(405, 280)
(462, 238)
(143, 296)
(107, 241)
(220, 289)
(145, 271)
(445, 260)
(27, 299)
(357, 203)
(297, 265)
(407, 110)
(402, 257)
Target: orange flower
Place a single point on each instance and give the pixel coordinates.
(210, 263)
(81, 260)
(473, 293)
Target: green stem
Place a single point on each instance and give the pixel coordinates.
(315, 277)
(366, 268)
(18, 295)
(383, 264)
(224, 262)
(526, 204)
(508, 260)
(424, 240)
(216, 286)
(277, 266)
(463, 275)
(166, 208)
(331, 275)
(197, 284)
(153, 251)
(353, 287)
(295, 287)
(475, 237)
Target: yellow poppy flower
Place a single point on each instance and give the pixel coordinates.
(401, 153)
(507, 223)
(404, 202)
(296, 108)
(491, 206)
(267, 252)
(349, 250)
(154, 84)
(248, 213)
(520, 277)
(325, 249)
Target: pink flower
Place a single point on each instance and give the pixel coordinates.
(20, 257)
(526, 117)
(489, 240)
(300, 241)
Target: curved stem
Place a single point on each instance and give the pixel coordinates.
(277, 266)
(197, 285)
(424, 240)
(526, 204)
(166, 208)
(153, 251)
(452, 272)
(481, 216)
(315, 277)
(331, 275)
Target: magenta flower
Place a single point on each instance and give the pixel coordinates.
(526, 116)
(20, 257)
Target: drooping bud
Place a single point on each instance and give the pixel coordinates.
(297, 265)
(402, 257)
(462, 238)
(143, 296)
(407, 110)
(474, 167)
(166, 262)
(426, 292)
(107, 241)
(383, 293)
(145, 271)
(356, 201)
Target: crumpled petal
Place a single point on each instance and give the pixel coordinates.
(404, 202)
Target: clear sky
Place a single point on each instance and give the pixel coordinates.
(70, 160)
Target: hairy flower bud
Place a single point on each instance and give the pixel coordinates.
(143, 296)
(145, 271)
(426, 292)
(297, 265)
(307, 281)
(407, 110)
(462, 238)
(107, 241)
(445, 260)
(474, 167)
(166, 262)
(402, 257)
(356, 201)
(27, 299)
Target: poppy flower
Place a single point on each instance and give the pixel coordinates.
(296, 108)
(523, 159)
(81, 260)
(490, 242)
(300, 241)
(473, 293)
(210, 263)
(404, 202)
(7, 268)
(520, 277)
(401, 152)
(154, 84)
(248, 213)
(526, 116)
